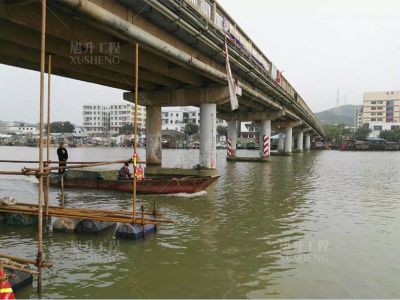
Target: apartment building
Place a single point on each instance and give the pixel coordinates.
(18, 128)
(122, 114)
(381, 111)
(108, 119)
(176, 118)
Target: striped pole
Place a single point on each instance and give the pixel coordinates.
(229, 147)
(266, 145)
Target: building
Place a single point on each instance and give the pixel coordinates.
(18, 128)
(176, 118)
(358, 116)
(95, 119)
(122, 114)
(108, 119)
(381, 111)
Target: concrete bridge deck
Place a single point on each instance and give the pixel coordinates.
(181, 62)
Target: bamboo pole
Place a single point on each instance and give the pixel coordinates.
(48, 134)
(23, 260)
(62, 191)
(88, 216)
(79, 166)
(24, 173)
(33, 207)
(40, 196)
(48, 162)
(11, 267)
(135, 130)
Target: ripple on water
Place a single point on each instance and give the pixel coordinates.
(263, 230)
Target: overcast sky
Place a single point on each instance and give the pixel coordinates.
(353, 45)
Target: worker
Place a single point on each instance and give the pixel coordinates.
(62, 154)
(124, 173)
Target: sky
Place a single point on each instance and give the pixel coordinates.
(321, 46)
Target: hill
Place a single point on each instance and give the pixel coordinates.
(344, 114)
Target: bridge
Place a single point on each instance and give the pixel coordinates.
(182, 62)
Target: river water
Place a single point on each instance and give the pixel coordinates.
(315, 225)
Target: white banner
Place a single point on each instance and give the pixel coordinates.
(231, 83)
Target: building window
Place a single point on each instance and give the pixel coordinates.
(373, 108)
(373, 119)
(395, 127)
(377, 128)
(373, 102)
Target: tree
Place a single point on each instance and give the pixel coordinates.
(191, 129)
(222, 130)
(335, 132)
(390, 135)
(61, 127)
(127, 129)
(362, 133)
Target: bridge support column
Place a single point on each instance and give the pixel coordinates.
(232, 138)
(208, 129)
(281, 142)
(153, 136)
(265, 139)
(308, 142)
(300, 141)
(288, 140)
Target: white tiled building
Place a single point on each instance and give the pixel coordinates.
(381, 111)
(104, 119)
(18, 128)
(176, 118)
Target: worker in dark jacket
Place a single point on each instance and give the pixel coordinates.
(124, 173)
(62, 154)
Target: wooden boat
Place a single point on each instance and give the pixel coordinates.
(105, 180)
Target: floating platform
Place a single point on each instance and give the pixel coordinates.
(21, 220)
(65, 224)
(134, 231)
(248, 159)
(92, 226)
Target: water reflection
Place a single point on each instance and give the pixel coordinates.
(320, 224)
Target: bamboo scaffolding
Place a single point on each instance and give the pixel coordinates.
(48, 162)
(89, 210)
(27, 173)
(26, 270)
(40, 196)
(46, 199)
(96, 215)
(23, 260)
(135, 131)
(78, 166)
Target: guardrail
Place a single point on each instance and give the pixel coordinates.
(215, 14)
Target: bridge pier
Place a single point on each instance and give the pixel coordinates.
(153, 136)
(300, 141)
(208, 136)
(281, 142)
(308, 142)
(288, 140)
(232, 137)
(265, 139)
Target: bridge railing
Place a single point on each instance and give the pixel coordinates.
(215, 14)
